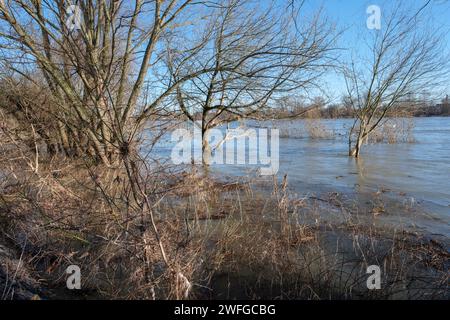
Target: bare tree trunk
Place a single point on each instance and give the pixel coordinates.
(355, 151)
(206, 150)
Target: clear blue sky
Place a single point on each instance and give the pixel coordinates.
(350, 16)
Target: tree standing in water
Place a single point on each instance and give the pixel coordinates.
(402, 58)
(257, 56)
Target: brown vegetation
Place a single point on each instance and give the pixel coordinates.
(205, 239)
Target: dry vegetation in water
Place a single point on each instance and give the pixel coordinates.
(394, 130)
(316, 129)
(204, 239)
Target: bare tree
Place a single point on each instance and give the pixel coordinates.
(96, 67)
(403, 57)
(257, 56)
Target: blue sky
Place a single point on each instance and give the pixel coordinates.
(350, 16)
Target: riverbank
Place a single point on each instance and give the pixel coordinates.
(222, 240)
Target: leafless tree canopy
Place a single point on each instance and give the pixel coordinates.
(97, 84)
(96, 73)
(257, 57)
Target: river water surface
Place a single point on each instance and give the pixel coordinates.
(416, 173)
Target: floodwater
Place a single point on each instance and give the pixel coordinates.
(414, 174)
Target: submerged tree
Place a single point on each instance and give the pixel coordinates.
(402, 58)
(258, 56)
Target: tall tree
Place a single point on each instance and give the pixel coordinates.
(95, 57)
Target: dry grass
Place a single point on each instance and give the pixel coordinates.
(316, 129)
(276, 257)
(394, 130)
(213, 239)
(310, 128)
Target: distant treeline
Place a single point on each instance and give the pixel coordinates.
(334, 111)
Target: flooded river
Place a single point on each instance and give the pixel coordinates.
(416, 173)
